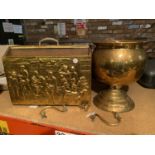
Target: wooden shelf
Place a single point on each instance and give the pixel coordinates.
(139, 121)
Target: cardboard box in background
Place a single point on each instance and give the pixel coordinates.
(3, 49)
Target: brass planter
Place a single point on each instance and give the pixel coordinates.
(49, 75)
(117, 63)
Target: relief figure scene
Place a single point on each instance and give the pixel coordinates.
(48, 81)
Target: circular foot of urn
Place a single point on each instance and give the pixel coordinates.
(114, 100)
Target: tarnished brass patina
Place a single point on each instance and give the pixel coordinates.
(117, 63)
(49, 75)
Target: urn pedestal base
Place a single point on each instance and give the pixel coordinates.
(114, 100)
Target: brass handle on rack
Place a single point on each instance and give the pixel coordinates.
(48, 39)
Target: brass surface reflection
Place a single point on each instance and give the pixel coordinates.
(117, 64)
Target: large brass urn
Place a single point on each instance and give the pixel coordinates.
(117, 63)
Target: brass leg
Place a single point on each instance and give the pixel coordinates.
(43, 111)
(116, 116)
(84, 105)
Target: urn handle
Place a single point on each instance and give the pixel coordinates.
(48, 39)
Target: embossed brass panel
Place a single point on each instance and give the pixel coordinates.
(48, 75)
